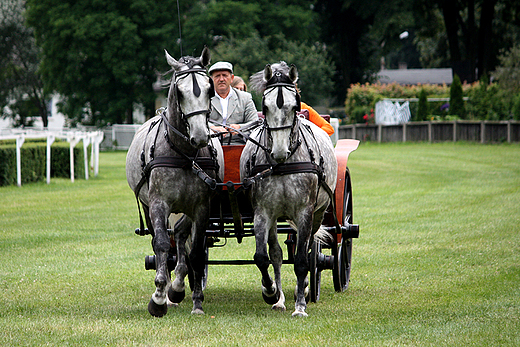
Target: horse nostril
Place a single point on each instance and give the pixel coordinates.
(193, 142)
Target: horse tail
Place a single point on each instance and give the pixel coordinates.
(324, 237)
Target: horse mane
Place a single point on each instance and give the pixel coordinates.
(257, 81)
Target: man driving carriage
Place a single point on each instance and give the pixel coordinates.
(231, 107)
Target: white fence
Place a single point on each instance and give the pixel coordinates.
(73, 137)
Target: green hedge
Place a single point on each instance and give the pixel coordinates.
(34, 160)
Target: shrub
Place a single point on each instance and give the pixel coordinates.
(456, 99)
(34, 160)
(422, 108)
(487, 101)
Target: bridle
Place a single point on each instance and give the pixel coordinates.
(279, 82)
(193, 71)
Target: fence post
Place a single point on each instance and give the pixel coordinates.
(19, 142)
(454, 131)
(430, 131)
(404, 132)
(509, 131)
(482, 132)
(73, 142)
(50, 141)
(379, 132)
(86, 141)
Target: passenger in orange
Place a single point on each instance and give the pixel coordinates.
(317, 119)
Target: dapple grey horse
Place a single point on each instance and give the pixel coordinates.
(296, 160)
(170, 165)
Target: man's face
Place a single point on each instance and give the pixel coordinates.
(222, 80)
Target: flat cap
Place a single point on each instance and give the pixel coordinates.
(221, 65)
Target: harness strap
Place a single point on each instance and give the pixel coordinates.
(290, 168)
(265, 170)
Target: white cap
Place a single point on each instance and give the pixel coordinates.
(221, 65)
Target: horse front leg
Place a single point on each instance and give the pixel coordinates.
(262, 224)
(182, 230)
(276, 255)
(161, 245)
(198, 258)
(301, 261)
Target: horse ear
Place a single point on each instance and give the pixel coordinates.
(268, 72)
(171, 61)
(293, 73)
(205, 57)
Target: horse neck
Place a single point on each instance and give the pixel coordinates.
(173, 116)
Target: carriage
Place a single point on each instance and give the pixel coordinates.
(287, 179)
(232, 218)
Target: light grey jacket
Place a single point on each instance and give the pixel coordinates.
(241, 109)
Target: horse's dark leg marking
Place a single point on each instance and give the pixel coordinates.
(197, 259)
(161, 246)
(301, 261)
(261, 258)
(181, 231)
(276, 255)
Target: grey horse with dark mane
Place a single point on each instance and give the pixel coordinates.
(172, 166)
(297, 165)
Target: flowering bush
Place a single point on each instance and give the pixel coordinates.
(369, 118)
(486, 101)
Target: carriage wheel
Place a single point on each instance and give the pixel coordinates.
(315, 277)
(343, 251)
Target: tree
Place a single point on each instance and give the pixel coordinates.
(456, 98)
(211, 22)
(422, 109)
(508, 72)
(102, 57)
(21, 89)
(250, 55)
(475, 30)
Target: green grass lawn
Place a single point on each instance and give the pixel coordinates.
(437, 262)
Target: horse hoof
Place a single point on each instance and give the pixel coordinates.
(176, 297)
(197, 311)
(157, 310)
(279, 307)
(299, 314)
(272, 299)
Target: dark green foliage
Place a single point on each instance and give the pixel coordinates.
(103, 56)
(456, 99)
(250, 55)
(21, 87)
(422, 108)
(516, 108)
(33, 160)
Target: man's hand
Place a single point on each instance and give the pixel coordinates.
(225, 131)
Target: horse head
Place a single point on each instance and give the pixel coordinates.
(189, 97)
(280, 103)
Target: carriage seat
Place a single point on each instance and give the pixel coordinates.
(303, 112)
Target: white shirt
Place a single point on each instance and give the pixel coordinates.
(224, 102)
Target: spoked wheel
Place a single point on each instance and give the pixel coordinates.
(315, 270)
(343, 251)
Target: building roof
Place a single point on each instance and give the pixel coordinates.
(416, 76)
